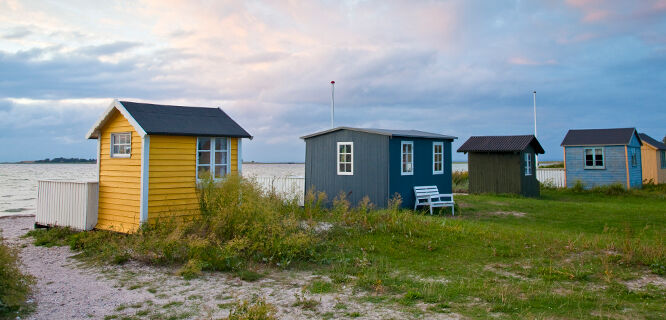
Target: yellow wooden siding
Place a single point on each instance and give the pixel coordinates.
(119, 180)
(172, 181)
(233, 156)
(651, 165)
(172, 176)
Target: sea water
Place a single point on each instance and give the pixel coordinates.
(18, 182)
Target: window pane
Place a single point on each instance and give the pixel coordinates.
(597, 152)
(220, 143)
(341, 148)
(349, 148)
(348, 158)
(220, 171)
(204, 157)
(204, 144)
(202, 171)
(342, 167)
(220, 158)
(409, 167)
(348, 167)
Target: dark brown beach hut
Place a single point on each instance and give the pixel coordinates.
(503, 164)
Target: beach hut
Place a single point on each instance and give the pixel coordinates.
(653, 160)
(150, 156)
(598, 157)
(377, 163)
(502, 164)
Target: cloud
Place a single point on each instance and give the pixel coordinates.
(108, 48)
(17, 33)
(457, 67)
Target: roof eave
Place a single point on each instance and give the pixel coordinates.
(93, 133)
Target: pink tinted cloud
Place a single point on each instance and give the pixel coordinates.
(522, 61)
(596, 16)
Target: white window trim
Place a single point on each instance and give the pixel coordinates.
(528, 164)
(113, 155)
(212, 151)
(594, 160)
(441, 144)
(337, 157)
(402, 143)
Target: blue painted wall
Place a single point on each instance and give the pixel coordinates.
(423, 175)
(635, 173)
(615, 171)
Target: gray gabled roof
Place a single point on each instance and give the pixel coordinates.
(158, 119)
(653, 142)
(593, 137)
(386, 132)
(501, 144)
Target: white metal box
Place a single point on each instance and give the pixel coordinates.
(67, 204)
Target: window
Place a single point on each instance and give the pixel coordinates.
(528, 164)
(594, 158)
(345, 158)
(437, 157)
(212, 157)
(663, 159)
(407, 153)
(121, 145)
(634, 158)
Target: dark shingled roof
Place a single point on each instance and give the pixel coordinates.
(185, 121)
(501, 144)
(590, 137)
(387, 132)
(653, 142)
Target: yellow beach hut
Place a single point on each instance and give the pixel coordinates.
(653, 158)
(150, 157)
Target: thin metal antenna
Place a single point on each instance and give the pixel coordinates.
(332, 103)
(536, 156)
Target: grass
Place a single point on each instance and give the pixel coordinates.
(568, 254)
(14, 284)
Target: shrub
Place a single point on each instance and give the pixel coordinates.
(460, 181)
(14, 284)
(578, 187)
(611, 190)
(257, 310)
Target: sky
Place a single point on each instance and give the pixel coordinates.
(458, 68)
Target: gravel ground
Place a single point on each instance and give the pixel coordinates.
(69, 289)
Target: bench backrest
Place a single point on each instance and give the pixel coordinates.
(426, 191)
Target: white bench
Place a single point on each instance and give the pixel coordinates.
(430, 196)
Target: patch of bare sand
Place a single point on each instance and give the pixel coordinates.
(68, 289)
(644, 281)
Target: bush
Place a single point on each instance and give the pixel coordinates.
(14, 284)
(460, 181)
(238, 224)
(257, 310)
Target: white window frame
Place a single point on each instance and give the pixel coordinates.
(211, 165)
(111, 143)
(528, 164)
(594, 158)
(434, 161)
(337, 157)
(402, 164)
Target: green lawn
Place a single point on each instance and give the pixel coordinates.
(563, 255)
(566, 255)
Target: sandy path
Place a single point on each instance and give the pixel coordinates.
(66, 289)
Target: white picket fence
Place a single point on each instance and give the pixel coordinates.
(295, 186)
(289, 187)
(551, 176)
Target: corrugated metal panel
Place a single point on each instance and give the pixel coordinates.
(67, 204)
(288, 187)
